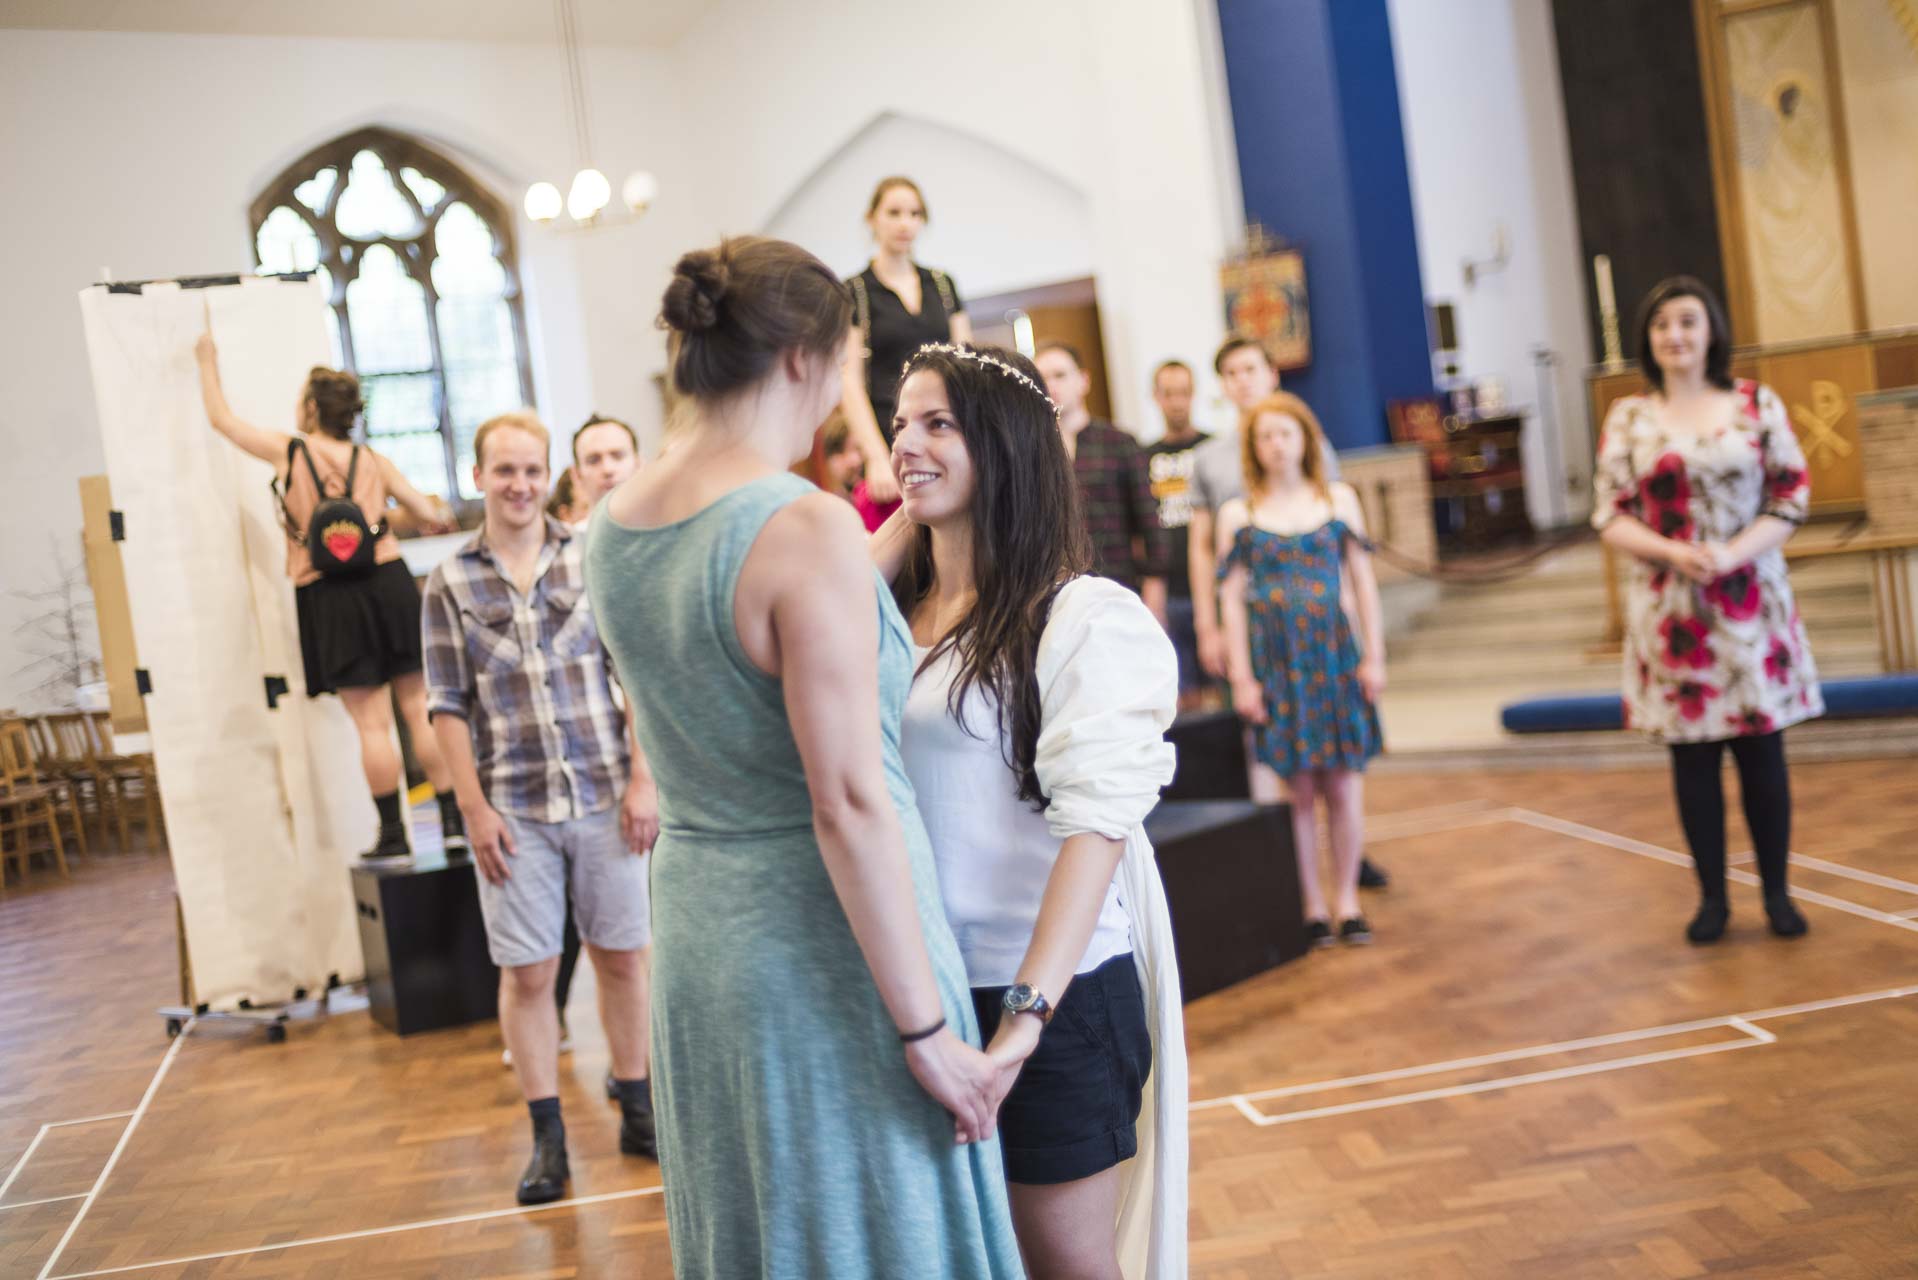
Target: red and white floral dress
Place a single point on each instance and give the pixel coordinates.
(1709, 661)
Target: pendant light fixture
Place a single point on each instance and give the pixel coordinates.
(589, 193)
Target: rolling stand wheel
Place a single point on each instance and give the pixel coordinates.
(173, 1028)
(276, 1033)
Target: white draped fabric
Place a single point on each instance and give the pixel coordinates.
(1108, 689)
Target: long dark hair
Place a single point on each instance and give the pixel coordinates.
(1028, 540)
(1718, 355)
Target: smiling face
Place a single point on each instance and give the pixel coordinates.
(897, 219)
(1681, 334)
(929, 454)
(512, 476)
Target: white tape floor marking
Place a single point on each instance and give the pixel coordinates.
(368, 1233)
(126, 1134)
(21, 1163)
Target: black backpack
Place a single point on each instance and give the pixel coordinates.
(337, 536)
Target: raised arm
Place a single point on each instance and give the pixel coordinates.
(890, 544)
(434, 514)
(806, 602)
(267, 446)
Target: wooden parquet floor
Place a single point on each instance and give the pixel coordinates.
(1529, 1075)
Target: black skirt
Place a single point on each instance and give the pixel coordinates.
(359, 633)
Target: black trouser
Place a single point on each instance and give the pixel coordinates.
(1763, 786)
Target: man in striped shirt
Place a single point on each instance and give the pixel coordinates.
(554, 794)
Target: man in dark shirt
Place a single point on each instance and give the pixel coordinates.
(1169, 462)
(1128, 546)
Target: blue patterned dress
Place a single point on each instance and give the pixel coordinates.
(1303, 652)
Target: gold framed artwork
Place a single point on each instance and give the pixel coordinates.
(1265, 300)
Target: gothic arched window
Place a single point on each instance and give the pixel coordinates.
(419, 267)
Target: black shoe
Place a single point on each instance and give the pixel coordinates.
(1355, 932)
(1784, 918)
(1372, 876)
(637, 1135)
(390, 849)
(1709, 924)
(453, 833)
(1318, 933)
(547, 1173)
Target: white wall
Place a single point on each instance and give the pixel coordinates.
(1109, 98)
(975, 190)
(1485, 135)
(1045, 159)
(140, 153)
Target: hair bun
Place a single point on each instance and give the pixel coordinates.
(701, 280)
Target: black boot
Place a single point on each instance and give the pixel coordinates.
(1784, 918)
(1709, 924)
(391, 846)
(453, 830)
(1371, 875)
(547, 1173)
(637, 1132)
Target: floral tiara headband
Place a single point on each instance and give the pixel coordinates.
(978, 357)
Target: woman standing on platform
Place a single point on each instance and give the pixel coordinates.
(359, 633)
(1290, 549)
(898, 307)
(813, 1039)
(1034, 738)
(1701, 481)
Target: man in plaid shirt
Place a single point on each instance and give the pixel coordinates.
(1115, 483)
(554, 794)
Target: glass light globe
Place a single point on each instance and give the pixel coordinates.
(639, 190)
(542, 202)
(589, 194)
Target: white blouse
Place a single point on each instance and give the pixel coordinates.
(1108, 690)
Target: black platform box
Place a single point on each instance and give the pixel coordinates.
(1211, 747)
(424, 941)
(1232, 887)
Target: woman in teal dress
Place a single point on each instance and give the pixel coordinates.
(1288, 551)
(823, 1107)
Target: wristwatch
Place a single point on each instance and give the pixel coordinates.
(1023, 997)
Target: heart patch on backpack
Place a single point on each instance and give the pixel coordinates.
(342, 540)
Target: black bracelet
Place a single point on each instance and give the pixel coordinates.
(907, 1037)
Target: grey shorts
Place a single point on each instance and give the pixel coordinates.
(526, 916)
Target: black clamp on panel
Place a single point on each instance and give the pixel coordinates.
(117, 525)
(276, 689)
(142, 680)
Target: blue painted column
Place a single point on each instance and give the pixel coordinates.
(1315, 112)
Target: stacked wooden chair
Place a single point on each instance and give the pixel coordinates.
(119, 785)
(33, 797)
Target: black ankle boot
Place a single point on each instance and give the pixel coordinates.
(1784, 917)
(547, 1173)
(391, 846)
(1709, 924)
(638, 1135)
(453, 831)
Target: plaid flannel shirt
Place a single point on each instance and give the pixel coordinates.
(529, 676)
(1115, 491)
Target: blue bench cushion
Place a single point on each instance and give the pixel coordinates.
(1859, 696)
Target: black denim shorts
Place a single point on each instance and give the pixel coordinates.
(1074, 1109)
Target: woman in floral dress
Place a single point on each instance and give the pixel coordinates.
(1701, 482)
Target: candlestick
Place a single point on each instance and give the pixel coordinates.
(1608, 311)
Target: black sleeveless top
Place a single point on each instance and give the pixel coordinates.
(893, 333)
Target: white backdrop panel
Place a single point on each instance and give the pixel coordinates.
(265, 808)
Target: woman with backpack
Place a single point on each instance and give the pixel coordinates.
(359, 608)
